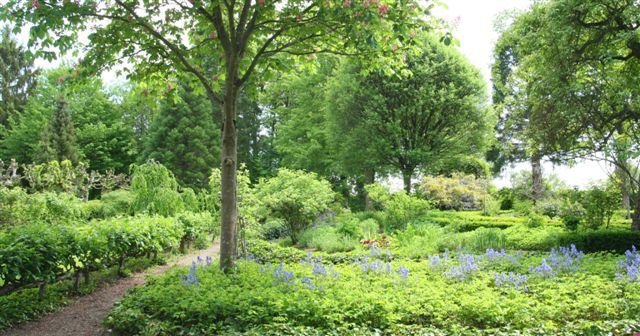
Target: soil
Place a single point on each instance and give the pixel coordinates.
(83, 316)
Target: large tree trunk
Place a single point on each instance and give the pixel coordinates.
(624, 190)
(536, 177)
(229, 213)
(406, 178)
(369, 178)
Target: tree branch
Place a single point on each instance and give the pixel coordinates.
(177, 51)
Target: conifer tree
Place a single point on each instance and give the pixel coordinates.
(184, 138)
(17, 78)
(58, 141)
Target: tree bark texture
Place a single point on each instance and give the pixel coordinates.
(406, 177)
(370, 178)
(229, 208)
(624, 190)
(635, 219)
(536, 177)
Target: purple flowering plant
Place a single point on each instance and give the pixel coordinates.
(629, 269)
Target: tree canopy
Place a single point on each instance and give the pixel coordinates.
(577, 66)
(414, 120)
(18, 77)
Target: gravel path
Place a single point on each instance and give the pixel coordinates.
(83, 317)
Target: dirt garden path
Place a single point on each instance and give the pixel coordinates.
(84, 315)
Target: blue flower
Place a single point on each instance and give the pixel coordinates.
(511, 280)
(307, 281)
(404, 272)
(282, 275)
(467, 266)
(629, 269)
(544, 270)
(318, 269)
(191, 278)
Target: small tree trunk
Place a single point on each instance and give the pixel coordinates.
(406, 178)
(76, 281)
(42, 290)
(626, 203)
(370, 178)
(635, 219)
(85, 274)
(121, 265)
(624, 190)
(536, 177)
(229, 209)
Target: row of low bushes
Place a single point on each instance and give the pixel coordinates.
(17, 207)
(154, 190)
(422, 240)
(265, 252)
(425, 239)
(471, 220)
(40, 254)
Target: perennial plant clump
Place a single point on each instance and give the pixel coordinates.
(629, 269)
(561, 260)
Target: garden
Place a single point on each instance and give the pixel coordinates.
(407, 268)
(319, 167)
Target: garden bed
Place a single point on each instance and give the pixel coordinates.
(452, 293)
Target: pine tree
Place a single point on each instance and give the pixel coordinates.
(17, 78)
(59, 138)
(185, 138)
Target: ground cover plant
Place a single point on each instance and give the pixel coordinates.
(562, 291)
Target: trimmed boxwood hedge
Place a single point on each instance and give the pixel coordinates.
(603, 240)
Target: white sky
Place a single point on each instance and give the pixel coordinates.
(476, 34)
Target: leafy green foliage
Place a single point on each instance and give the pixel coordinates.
(59, 138)
(20, 208)
(396, 209)
(184, 137)
(574, 302)
(405, 116)
(599, 204)
(197, 225)
(571, 211)
(535, 220)
(564, 66)
(301, 116)
(328, 239)
(155, 189)
(116, 203)
(490, 206)
(601, 240)
(296, 197)
(32, 254)
(459, 192)
(104, 134)
(28, 304)
(17, 78)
